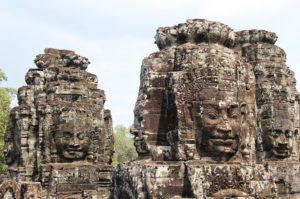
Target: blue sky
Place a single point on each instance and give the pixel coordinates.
(116, 35)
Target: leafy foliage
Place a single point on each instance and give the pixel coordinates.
(6, 95)
(124, 147)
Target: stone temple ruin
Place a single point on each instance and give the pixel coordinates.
(217, 116)
(60, 135)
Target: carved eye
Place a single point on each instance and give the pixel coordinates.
(276, 133)
(288, 134)
(80, 135)
(67, 134)
(212, 115)
(210, 112)
(234, 113)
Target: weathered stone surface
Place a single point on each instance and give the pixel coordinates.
(61, 58)
(77, 178)
(11, 189)
(231, 180)
(194, 31)
(278, 115)
(255, 36)
(143, 180)
(222, 105)
(277, 102)
(286, 174)
(182, 90)
(60, 134)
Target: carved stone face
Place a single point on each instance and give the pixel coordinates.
(9, 151)
(72, 139)
(279, 142)
(218, 127)
(278, 133)
(246, 147)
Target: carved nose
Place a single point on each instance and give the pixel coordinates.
(224, 129)
(224, 116)
(75, 143)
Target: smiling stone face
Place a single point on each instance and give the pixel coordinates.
(278, 130)
(278, 139)
(280, 142)
(218, 126)
(9, 150)
(72, 139)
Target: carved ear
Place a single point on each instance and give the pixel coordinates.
(296, 132)
(243, 111)
(188, 113)
(243, 108)
(53, 150)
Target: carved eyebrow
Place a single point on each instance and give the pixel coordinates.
(208, 102)
(277, 131)
(234, 106)
(213, 104)
(68, 132)
(210, 106)
(288, 132)
(205, 105)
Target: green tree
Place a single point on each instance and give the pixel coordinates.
(124, 147)
(6, 95)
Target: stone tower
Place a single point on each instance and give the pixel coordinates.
(217, 116)
(60, 135)
(277, 109)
